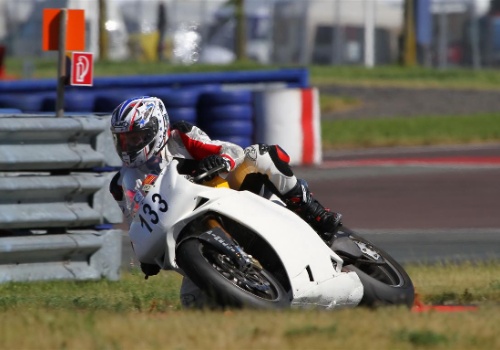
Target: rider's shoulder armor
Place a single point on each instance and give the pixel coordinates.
(182, 126)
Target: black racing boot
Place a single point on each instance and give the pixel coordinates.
(322, 220)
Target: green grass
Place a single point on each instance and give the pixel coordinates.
(416, 77)
(393, 75)
(436, 283)
(47, 68)
(415, 131)
(134, 313)
(131, 293)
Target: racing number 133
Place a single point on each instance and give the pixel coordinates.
(153, 215)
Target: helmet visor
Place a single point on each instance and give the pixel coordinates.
(134, 141)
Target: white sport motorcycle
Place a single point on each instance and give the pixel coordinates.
(244, 249)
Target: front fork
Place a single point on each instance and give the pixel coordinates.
(224, 243)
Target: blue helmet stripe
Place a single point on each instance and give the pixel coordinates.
(125, 104)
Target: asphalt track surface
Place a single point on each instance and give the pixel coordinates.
(422, 204)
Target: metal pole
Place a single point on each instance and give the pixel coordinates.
(271, 35)
(240, 34)
(409, 53)
(443, 37)
(304, 58)
(103, 34)
(474, 36)
(61, 71)
(337, 36)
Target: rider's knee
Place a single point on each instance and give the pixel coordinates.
(261, 154)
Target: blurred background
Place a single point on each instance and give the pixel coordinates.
(431, 33)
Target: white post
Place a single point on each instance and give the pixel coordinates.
(369, 33)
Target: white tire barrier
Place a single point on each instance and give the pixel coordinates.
(291, 119)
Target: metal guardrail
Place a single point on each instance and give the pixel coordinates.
(43, 142)
(54, 178)
(79, 255)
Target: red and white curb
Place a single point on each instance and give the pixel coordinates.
(430, 162)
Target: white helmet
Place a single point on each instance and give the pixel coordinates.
(140, 128)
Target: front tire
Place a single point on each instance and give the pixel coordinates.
(384, 280)
(224, 283)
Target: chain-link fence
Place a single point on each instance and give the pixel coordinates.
(329, 32)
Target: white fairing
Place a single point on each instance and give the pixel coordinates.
(314, 270)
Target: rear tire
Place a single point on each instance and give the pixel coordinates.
(224, 283)
(384, 280)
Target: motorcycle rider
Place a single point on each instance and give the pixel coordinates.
(142, 132)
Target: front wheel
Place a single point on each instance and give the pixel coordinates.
(384, 280)
(224, 282)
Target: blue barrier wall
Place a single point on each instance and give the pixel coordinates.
(220, 102)
(292, 77)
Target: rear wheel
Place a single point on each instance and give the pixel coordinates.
(224, 282)
(384, 280)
